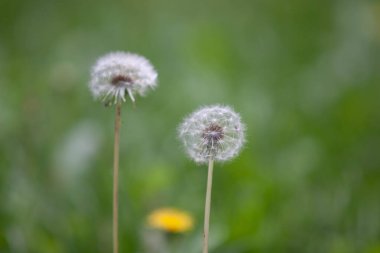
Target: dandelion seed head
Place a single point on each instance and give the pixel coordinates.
(118, 74)
(212, 132)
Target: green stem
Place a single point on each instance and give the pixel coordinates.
(207, 206)
(116, 179)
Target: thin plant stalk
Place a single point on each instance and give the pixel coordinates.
(116, 179)
(207, 205)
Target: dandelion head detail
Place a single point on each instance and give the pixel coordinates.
(213, 132)
(117, 75)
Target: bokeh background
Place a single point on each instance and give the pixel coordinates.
(304, 75)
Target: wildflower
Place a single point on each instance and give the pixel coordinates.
(170, 220)
(112, 76)
(213, 132)
(116, 74)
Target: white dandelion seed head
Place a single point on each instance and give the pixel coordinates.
(213, 132)
(118, 74)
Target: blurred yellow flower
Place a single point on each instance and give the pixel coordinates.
(170, 220)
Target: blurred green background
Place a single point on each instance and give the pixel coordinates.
(304, 75)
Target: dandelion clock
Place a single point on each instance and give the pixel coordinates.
(115, 77)
(213, 133)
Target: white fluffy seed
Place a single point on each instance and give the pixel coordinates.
(117, 74)
(213, 132)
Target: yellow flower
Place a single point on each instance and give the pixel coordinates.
(170, 220)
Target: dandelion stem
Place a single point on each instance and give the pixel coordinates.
(207, 205)
(116, 178)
